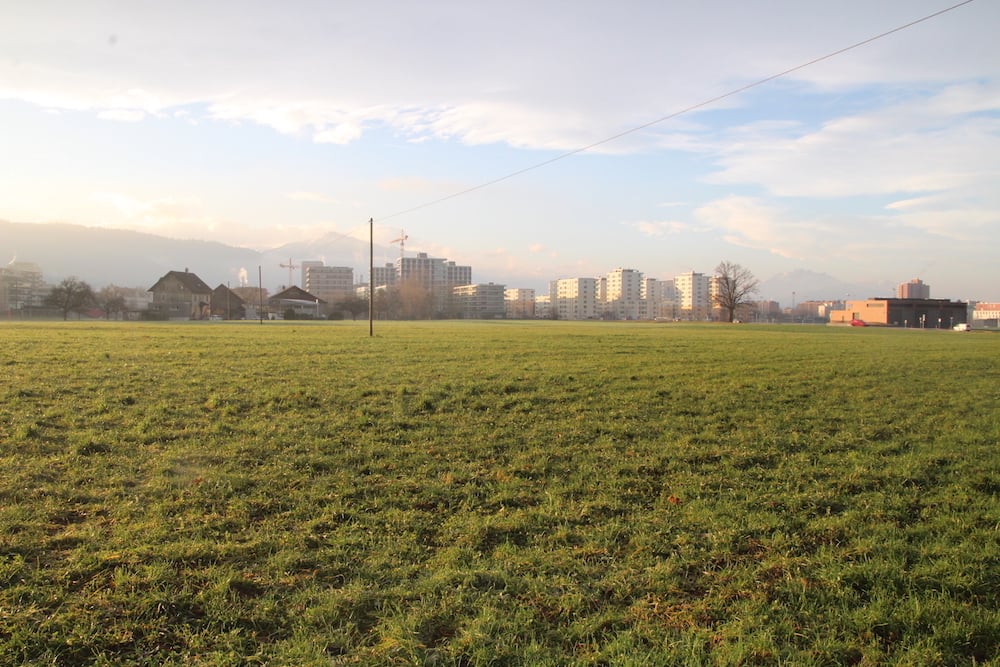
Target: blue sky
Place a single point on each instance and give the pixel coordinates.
(260, 123)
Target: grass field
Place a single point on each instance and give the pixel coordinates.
(498, 493)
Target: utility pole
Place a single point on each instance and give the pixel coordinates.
(260, 294)
(371, 273)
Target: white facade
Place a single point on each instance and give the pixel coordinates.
(694, 294)
(519, 303)
(479, 302)
(305, 265)
(383, 276)
(623, 294)
(659, 299)
(574, 298)
(329, 283)
(21, 287)
(437, 276)
(543, 306)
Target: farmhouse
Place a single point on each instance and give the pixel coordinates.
(296, 301)
(180, 295)
(227, 304)
(913, 313)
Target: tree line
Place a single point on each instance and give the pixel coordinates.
(73, 295)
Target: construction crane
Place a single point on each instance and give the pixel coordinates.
(401, 241)
(291, 266)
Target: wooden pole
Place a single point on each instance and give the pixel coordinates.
(260, 294)
(371, 277)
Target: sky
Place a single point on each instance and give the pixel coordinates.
(462, 122)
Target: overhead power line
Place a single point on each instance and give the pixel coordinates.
(675, 114)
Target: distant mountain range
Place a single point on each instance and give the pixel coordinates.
(136, 259)
(804, 285)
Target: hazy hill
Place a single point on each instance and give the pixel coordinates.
(136, 259)
(132, 259)
(812, 286)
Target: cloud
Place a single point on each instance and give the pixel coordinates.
(950, 215)
(925, 144)
(186, 217)
(123, 115)
(752, 223)
(342, 133)
(935, 153)
(475, 74)
(658, 228)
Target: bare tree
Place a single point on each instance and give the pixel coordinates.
(734, 287)
(71, 295)
(416, 301)
(111, 299)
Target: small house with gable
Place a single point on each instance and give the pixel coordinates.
(180, 295)
(297, 303)
(227, 304)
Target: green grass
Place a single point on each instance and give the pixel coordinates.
(498, 493)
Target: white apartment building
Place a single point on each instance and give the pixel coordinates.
(519, 303)
(543, 306)
(383, 276)
(694, 296)
(432, 273)
(659, 299)
(622, 294)
(574, 298)
(21, 287)
(329, 283)
(437, 276)
(305, 265)
(479, 302)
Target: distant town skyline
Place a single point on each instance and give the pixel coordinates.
(258, 125)
(129, 258)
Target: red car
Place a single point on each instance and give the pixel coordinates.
(858, 323)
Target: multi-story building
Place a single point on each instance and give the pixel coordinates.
(306, 265)
(986, 314)
(455, 274)
(519, 303)
(914, 289)
(435, 275)
(383, 276)
(21, 288)
(479, 302)
(574, 298)
(767, 311)
(329, 283)
(543, 306)
(693, 295)
(659, 299)
(622, 294)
